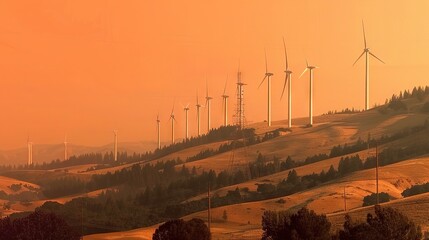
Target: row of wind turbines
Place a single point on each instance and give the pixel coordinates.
(267, 77)
(198, 111)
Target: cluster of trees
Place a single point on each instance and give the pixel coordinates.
(416, 189)
(396, 102)
(294, 183)
(371, 199)
(252, 140)
(179, 229)
(387, 224)
(343, 111)
(418, 92)
(305, 224)
(37, 225)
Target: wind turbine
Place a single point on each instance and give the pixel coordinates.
(288, 77)
(158, 125)
(65, 148)
(366, 51)
(186, 109)
(198, 116)
(310, 68)
(30, 152)
(225, 106)
(208, 99)
(115, 153)
(268, 76)
(173, 119)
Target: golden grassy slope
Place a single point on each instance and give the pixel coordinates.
(244, 219)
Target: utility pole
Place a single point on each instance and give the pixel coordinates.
(376, 170)
(209, 219)
(345, 202)
(369, 139)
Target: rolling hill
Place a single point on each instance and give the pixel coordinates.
(244, 218)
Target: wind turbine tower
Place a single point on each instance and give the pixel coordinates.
(186, 109)
(158, 125)
(289, 83)
(268, 76)
(208, 99)
(366, 52)
(65, 148)
(115, 150)
(198, 105)
(30, 152)
(225, 106)
(173, 119)
(310, 68)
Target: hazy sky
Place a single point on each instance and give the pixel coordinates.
(86, 68)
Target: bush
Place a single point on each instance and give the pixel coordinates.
(266, 188)
(15, 187)
(178, 229)
(416, 189)
(372, 199)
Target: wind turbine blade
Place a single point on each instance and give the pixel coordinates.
(359, 58)
(364, 37)
(305, 70)
(284, 45)
(224, 89)
(284, 86)
(266, 63)
(376, 57)
(306, 62)
(262, 81)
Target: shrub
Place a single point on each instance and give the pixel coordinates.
(178, 229)
(372, 199)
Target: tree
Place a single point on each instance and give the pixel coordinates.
(388, 224)
(303, 225)
(178, 229)
(37, 225)
(372, 199)
(308, 225)
(224, 215)
(171, 230)
(292, 177)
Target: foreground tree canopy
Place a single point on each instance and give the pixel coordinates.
(37, 225)
(387, 224)
(179, 229)
(305, 224)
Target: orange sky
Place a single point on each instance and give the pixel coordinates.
(87, 67)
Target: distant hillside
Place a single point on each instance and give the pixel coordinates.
(48, 152)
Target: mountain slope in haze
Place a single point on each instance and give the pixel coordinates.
(49, 152)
